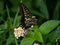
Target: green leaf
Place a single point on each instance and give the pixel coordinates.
(34, 33)
(17, 21)
(3, 26)
(16, 18)
(10, 40)
(14, 9)
(37, 13)
(1, 7)
(56, 11)
(48, 26)
(27, 41)
(1, 32)
(15, 2)
(42, 7)
(35, 28)
(54, 35)
(38, 37)
(1, 18)
(50, 43)
(9, 23)
(24, 1)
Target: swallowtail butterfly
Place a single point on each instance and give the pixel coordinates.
(27, 19)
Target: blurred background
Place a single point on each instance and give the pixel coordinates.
(10, 16)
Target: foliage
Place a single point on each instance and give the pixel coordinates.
(47, 30)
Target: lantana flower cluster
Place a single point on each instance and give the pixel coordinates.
(18, 32)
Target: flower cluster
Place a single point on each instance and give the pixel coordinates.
(18, 32)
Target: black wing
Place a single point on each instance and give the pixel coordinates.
(27, 19)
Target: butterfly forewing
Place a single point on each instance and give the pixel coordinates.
(27, 19)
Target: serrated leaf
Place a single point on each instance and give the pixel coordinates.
(48, 26)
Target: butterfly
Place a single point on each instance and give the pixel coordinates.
(27, 20)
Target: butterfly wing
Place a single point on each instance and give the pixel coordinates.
(27, 19)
